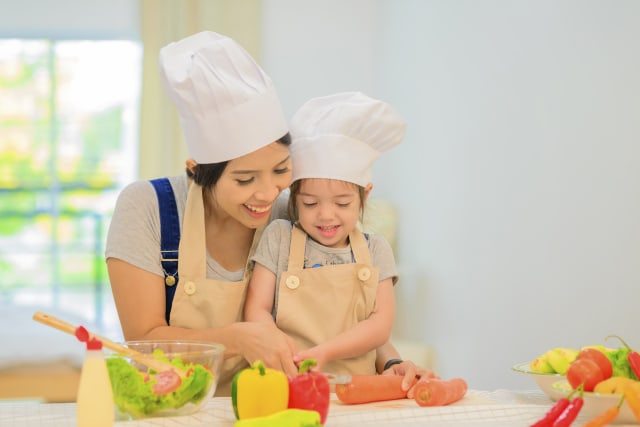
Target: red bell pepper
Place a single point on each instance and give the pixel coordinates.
(309, 390)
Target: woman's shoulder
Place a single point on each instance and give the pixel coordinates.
(143, 190)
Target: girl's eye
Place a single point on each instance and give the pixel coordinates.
(281, 171)
(343, 205)
(309, 204)
(244, 181)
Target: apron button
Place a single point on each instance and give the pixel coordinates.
(170, 280)
(292, 282)
(364, 273)
(189, 288)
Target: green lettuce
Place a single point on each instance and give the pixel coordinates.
(133, 390)
(620, 362)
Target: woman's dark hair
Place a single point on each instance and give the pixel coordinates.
(207, 175)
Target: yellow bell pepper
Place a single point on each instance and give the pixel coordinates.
(258, 391)
(613, 385)
(632, 396)
(292, 417)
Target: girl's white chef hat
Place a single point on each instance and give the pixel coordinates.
(227, 104)
(340, 136)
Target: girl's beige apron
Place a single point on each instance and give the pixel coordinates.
(316, 304)
(206, 303)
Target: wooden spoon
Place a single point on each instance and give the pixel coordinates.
(145, 359)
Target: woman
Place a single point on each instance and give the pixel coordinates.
(237, 138)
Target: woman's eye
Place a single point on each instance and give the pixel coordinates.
(281, 171)
(244, 181)
(343, 205)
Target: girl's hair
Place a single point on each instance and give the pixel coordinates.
(294, 190)
(207, 175)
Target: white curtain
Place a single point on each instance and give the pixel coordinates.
(162, 148)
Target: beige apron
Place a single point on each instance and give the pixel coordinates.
(316, 304)
(206, 303)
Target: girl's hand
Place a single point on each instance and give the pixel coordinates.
(312, 353)
(265, 342)
(411, 372)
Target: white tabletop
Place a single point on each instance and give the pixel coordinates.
(478, 408)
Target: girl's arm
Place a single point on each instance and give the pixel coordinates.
(140, 301)
(260, 295)
(367, 335)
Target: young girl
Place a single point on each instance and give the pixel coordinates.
(325, 283)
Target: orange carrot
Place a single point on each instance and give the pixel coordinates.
(439, 392)
(371, 388)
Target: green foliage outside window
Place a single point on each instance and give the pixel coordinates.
(66, 138)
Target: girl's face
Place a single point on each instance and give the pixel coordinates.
(328, 210)
(250, 184)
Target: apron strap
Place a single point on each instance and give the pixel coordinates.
(296, 251)
(360, 247)
(169, 238)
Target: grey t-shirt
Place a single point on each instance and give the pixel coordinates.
(134, 232)
(273, 253)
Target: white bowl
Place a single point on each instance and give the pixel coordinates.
(544, 381)
(597, 403)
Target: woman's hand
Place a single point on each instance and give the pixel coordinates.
(411, 372)
(265, 342)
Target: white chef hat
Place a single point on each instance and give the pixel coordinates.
(228, 106)
(341, 135)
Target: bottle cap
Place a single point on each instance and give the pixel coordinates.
(83, 335)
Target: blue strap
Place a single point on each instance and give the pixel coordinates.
(169, 238)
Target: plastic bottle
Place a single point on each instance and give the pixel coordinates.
(95, 407)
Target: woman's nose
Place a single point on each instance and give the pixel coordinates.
(269, 190)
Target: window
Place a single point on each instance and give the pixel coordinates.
(68, 143)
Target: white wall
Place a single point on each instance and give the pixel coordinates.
(518, 180)
(92, 19)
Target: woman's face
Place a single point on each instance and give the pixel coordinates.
(250, 184)
(328, 210)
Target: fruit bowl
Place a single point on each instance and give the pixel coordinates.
(182, 377)
(544, 381)
(597, 403)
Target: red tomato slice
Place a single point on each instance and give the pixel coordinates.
(600, 358)
(166, 382)
(584, 371)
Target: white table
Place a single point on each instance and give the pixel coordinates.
(479, 408)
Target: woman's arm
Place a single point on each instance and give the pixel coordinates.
(140, 301)
(367, 335)
(260, 295)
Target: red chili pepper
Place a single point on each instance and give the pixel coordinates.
(310, 390)
(634, 361)
(570, 413)
(552, 414)
(555, 411)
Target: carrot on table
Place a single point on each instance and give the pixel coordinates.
(439, 392)
(371, 388)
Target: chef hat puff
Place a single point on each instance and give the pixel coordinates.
(228, 106)
(341, 135)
